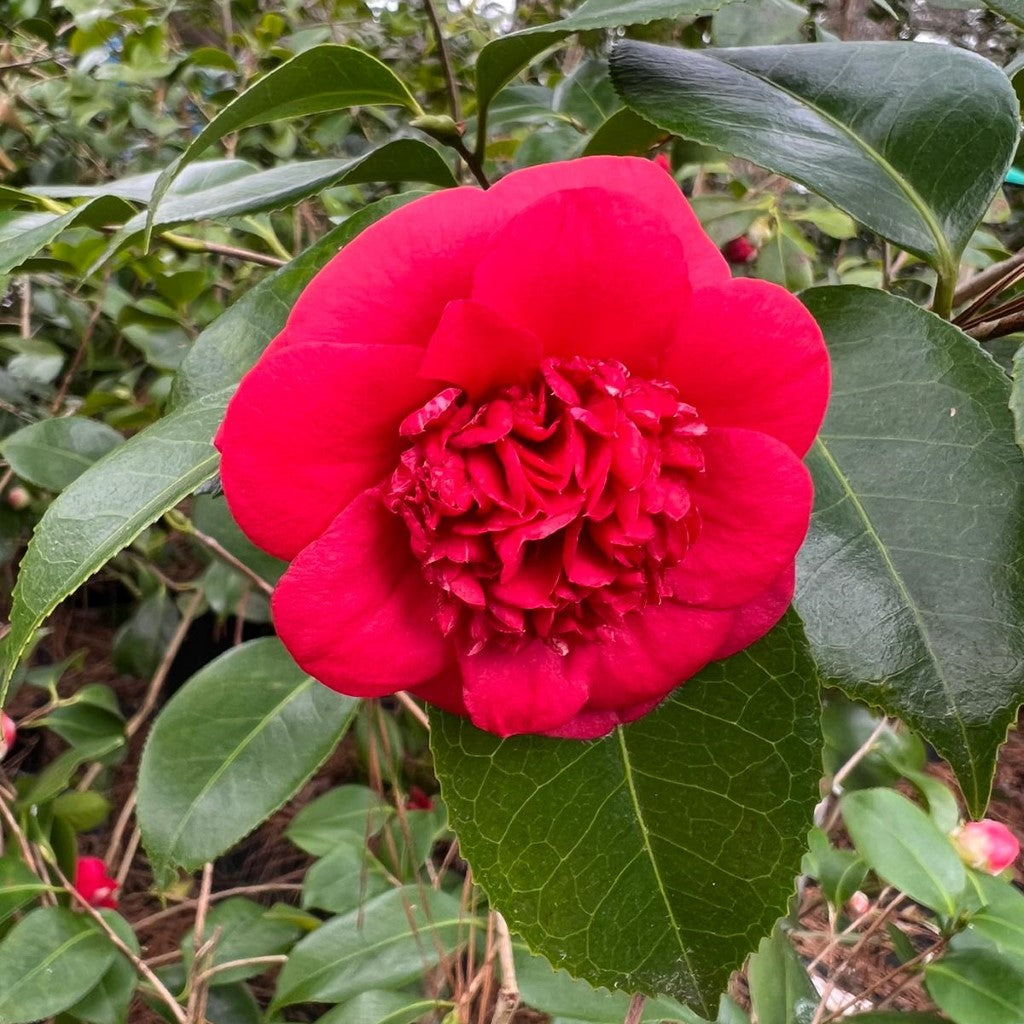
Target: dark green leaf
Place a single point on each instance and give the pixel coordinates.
(344, 879)
(628, 860)
(18, 885)
(320, 79)
(625, 133)
(108, 1001)
(382, 1007)
(910, 581)
(780, 989)
(975, 985)
(341, 815)
(48, 961)
(52, 453)
(839, 872)
(758, 23)
(56, 776)
(387, 943)
(914, 855)
(855, 122)
(223, 754)
(1001, 919)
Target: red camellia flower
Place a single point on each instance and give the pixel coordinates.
(8, 734)
(533, 455)
(93, 883)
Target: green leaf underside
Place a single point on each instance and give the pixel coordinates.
(230, 748)
(318, 80)
(110, 504)
(630, 861)
(502, 58)
(855, 122)
(911, 580)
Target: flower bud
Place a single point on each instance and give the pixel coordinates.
(7, 734)
(739, 250)
(18, 498)
(438, 126)
(858, 904)
(986, 845)
(418, 800)
(93, 883)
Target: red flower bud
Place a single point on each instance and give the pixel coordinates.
(18, 498)
(986, 845)
(739, 250)
(93, 883)
(418, 800)
(7, 734)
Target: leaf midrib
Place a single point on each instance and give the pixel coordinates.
(913, 196)
(646, 839)
(904, 591)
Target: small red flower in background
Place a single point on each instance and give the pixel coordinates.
(8, 733)
(418, 800)
(739, 250)
(533, 454)
(986, 845)
(93, 883)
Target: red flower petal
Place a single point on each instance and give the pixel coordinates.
(755, 503)
(444, 690)
(354, 610)
(390, 284)
(748, 354)
(309, 428)
(527, 690)
(753, 620)
(592, 725)
(653, 652)
(476, 349)
(590, 273)
(643, 181)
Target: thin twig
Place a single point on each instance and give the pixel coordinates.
(119, 826)
(972, 312)
(451, 85)
(83, 345)
(218, 249)
(858, 755)
(230, 965)
(129, 855)
(237, 564)
(988, 330)
(413, 708)
(984, 279)
(197, 986)
(223, 894)
(635, 1013)
(508, 993)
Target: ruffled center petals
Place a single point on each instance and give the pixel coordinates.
(591, 273)
(528, 689)
(353, 608)
(755, 504)
(749, 354)
(477, 350)
(310, 428)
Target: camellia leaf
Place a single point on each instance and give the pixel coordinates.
(48, 961)
(110, 504)
(911, 580)
(780, 989)
(976, 984)
(52, 453)
(502, 58)
(630, 860)
(318, 80)
(230, 748)
(855, 122)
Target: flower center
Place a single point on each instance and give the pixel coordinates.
(550, 510)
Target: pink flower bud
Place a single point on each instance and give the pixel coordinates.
(739, 250)
(7, 734)
(93, 883)
(986, 845)
(18, 498)
(858, 904)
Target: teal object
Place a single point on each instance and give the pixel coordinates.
(1015, 176)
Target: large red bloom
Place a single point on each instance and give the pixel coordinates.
(533, 454)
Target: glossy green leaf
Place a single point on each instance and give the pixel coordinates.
(901, 844)
(223, 754)
(82, 811)
(48, 961)
(108, 1001)
(18, 885)
(315, 81)
(377, 1006)
(345, 814)
(22, 235)
(246, 930)
(975, 985)
(56, 776)
(387, 943)
(1001, 919)
(344, 879)
(759, 23)
(911, 580)
(625, 133)
(854, 122)
(52, 453)
(502, 58)
(106, 508)
(780, 989)
(840, 873)
(627, 860)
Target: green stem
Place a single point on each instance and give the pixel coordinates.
(945, 286)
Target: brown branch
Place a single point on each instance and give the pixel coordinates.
(451, 85)
(986, 278)
(989, 330)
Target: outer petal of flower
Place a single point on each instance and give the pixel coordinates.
(477, 350)
(590, 273)
(643, 181)
(653, 652)
(754, 500)
(751, 621)
(353, 608)
(528, 690)
(308, 429)
(748, 354)
(592, 725)
(444, 690)
(390, 284)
